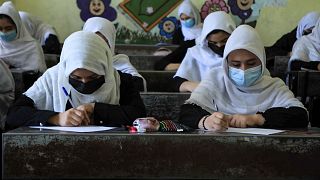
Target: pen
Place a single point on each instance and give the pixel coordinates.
(68, 95)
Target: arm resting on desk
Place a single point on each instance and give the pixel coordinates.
(297, 65)
(23, 113)
(292, 117)
(191, 114)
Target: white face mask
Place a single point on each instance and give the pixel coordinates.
(244, 78)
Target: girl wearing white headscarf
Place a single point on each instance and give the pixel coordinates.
(307, 23)
(17, 48)
(284, 45)
(231, 96)
(207, 53)
(191, 27)
(306, 51)
(6, 91)
(185, 36)
(108, 96)
(41, 31)
(121, 62)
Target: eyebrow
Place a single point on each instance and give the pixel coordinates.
(93, 75)
(252, 59)
(219, 41)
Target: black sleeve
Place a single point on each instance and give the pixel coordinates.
(24, 113)
(177, 81)
(52, 45)
(283, 45)
(138, 83)
(174, 57)
(297, 65)
(191, 114)
(178, 37)
(131, 106)
(292, 117)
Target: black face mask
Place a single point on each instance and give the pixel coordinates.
(89, 87)
(306, 32)
(216, 49)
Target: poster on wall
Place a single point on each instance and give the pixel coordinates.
(154, 22)
(96, 8)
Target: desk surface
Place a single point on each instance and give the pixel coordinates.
(31, 153)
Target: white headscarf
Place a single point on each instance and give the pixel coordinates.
(307, 48)
(306, 22)
(200, 58)
(190, 10)
(80, 50)
(6, 91)
(24, 52)
(36, 27)
(217, 92)
(121, 61)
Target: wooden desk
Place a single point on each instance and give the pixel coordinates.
(33, 154)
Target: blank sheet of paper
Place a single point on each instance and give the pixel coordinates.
(254, 131)
(75, 129)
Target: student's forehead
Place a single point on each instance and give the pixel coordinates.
(6, 22)
(183, 15)
(82, 71)
(219, 36)
(242, 54)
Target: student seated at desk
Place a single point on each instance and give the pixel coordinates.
(17, 48)
(306, 51)
(185, 36)
(6, 91)
(106, 30)
(99, 94)
(284, 45)
(306, 54)
(41, 31)
(241, 93)
(207, 53)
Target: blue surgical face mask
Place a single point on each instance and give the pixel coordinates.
(8, 36)
(244, 78)
(189, 23)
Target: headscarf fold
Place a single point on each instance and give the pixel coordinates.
(306, 22)
(217, 92)
(36, 27)
(80, 50)
(6, 91)
(24, 52)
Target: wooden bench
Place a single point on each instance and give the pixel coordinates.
(139, 49)
(280, 67)
(306, 85)
(159, 81)
(144, 62)
(164, 106)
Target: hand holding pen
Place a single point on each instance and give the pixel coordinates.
(71, 117)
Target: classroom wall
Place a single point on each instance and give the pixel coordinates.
(272, 21)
